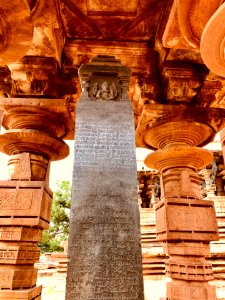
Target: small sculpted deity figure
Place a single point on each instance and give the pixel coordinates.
(105, 91)
(213, 173)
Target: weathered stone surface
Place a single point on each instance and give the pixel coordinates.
(16, 30)
(17, 277)
(186, 219)
(190, 291)
(104, 245)
(134, 31)
(19, 253)
(26, 166)
(186, 124)
(53, 117)
(213, 56)
(20, 233)
(186, 22)
(180, 182)
(104, 242)
(194, 248)
(189, 268)
(183, 218)
(25, 203)
(26, 294)
(102, 20)
(27, 140)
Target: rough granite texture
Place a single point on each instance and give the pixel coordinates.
(104, 245)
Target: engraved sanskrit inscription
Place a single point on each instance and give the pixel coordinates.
(104, 245)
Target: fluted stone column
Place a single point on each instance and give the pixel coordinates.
(185, 223)
(104, 240)
(25, 199)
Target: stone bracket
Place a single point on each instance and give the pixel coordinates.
(156, 114)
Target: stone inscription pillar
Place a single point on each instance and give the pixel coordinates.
(185, 223)
(104, 241)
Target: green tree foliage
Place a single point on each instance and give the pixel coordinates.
(59, 226)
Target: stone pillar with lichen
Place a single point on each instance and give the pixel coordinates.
(104, 240)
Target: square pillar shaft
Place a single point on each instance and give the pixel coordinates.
(104, 241)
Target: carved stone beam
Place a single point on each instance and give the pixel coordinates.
(49, 37)
(16, 30)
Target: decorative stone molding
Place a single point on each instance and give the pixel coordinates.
(50, 116)
(34, 76)
(186, 22)
(16, 30)
(208, 121)
(104, 79)
(17, 141)
(181, 82)
(213, 51)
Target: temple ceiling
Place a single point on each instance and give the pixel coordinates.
(128, 20)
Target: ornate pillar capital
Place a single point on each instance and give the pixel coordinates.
(105, 79)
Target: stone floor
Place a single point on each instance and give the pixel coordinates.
(54, 287)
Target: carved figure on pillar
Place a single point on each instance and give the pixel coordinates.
(104, 242)
(105, 91)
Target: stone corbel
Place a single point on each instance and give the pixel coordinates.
(186, 23)
(181, 83)
(212, 120)
(213, 42)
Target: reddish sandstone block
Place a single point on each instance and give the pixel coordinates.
(186, 248)
(188, 268)
(27, 294)
(180, 290)
(14, 277)
(186, 219)
(180, 183)
(25, 203)
(20, 233)
(19, 253)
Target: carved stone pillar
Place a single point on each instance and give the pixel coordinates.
(222, 138)
(104, 241)
(185, 223)
(210, 187)
(25, 199)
